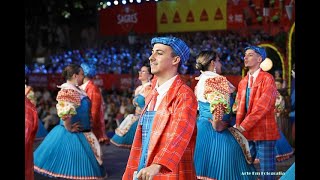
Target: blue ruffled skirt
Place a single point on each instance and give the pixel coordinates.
(127, 139)
(67, 155)
(283, 149)
(218, 155)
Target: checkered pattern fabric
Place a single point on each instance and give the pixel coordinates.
(179, 47)
(259, 50)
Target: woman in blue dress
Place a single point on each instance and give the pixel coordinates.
(124, 134)
(221, 151)
(70, 150)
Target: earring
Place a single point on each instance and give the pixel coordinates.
(215, 70)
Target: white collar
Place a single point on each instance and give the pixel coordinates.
(209, 73)
(165, 86)
(255, 74)
(73, 87)
(84, 85)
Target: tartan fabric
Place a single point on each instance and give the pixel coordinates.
(146, 122)
(179, 47)
(94, 94)
(267, 157)
(259, 50)
(31, 127)
(173, 136)
(259, 120)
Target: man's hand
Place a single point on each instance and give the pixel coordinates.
(149, 172)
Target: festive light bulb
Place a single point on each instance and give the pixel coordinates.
(266, 65)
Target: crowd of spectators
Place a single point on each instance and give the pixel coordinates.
(119, 57)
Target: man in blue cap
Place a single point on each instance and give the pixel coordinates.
(164, 142)
(255, 105)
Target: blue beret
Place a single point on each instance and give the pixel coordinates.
(88, 70)
(259, 50)
(179, 47)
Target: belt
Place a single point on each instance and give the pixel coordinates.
(86, 130)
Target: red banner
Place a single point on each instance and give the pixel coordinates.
(236, 14)
(122, 19)
(270, 16)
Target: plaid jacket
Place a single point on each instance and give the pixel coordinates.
(259, 121)
(31, 127)
(94, 94)
(173, 136)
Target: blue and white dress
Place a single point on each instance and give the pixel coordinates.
(218, 155)
(124, 134)
(65, 154)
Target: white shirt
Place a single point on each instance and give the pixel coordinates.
(254, 75)
(162, 90)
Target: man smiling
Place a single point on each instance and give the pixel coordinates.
(165, 138)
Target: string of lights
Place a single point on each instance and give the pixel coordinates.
(104, 4)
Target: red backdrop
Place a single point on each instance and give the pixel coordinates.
(120, 20)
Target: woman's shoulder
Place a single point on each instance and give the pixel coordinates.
(216, 80)
(69, 95)
(218, 83)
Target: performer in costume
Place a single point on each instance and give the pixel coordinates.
(218, 152)
(163, 146)
(71, 150)
(42, 131)
(97, 107)
(124, 134)
(255, 104)
(283, 149)
(31, 126)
